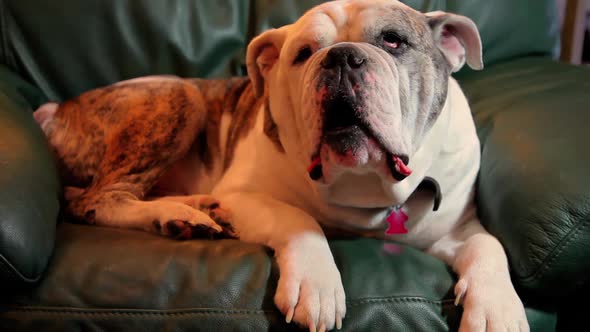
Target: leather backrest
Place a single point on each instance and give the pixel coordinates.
(69, 46)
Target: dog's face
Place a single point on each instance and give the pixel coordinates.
(354, 87)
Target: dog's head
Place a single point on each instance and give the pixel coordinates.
(355, 86)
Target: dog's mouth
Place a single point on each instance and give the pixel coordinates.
(347, 134)
(343, 126)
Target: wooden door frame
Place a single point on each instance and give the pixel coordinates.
(573, 27)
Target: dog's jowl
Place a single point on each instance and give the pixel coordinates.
(349, 120)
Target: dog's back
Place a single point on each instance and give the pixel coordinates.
(128, 122)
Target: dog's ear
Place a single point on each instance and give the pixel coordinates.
(262, 54)
(458, 39)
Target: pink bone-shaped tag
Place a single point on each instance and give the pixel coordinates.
(396, 221)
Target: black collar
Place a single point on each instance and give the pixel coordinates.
(431, 184)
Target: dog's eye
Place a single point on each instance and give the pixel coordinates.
(303, 54)
(392, 41)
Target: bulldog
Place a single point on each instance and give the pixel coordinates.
(349, 121)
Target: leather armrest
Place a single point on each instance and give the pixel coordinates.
(533, 119)
(29, 187)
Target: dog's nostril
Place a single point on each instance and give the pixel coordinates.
(327, 63)
(355, 62)
(344, 57)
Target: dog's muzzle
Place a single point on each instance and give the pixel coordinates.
(344, 112)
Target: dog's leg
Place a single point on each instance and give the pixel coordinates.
(116, 195)
(117, 206)
(138, 152)
(116, 199)
(210, 206)
(484, 288)
(310, 290)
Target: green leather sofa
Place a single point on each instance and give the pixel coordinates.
(532, 114)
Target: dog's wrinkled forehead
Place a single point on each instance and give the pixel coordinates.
(358, 21)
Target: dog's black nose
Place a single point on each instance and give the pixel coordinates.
(344, 56)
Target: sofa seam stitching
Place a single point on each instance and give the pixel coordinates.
(138, 312)
(198, 311)
(569, 238)
(14, 271)
(399, 299)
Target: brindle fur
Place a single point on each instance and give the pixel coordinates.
(116, 142)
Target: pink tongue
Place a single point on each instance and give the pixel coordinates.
(401, 167)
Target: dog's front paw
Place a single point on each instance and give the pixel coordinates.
(219, 214)
(490, 306)
(310, 289)
(206, 219)
(183, 222)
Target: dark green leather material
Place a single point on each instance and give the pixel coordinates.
(77, 45)
(123, 280)
(29, 188)
(511, 29)
(72, 46)
(533, 116)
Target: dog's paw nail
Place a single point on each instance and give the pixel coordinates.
(460, 290)
(312, 327)
(322, 328)
(338, 322)
(289, 316)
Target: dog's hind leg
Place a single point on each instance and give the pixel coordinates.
(116, 198)
(117, 206)
(153, 133)
(116, 195)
